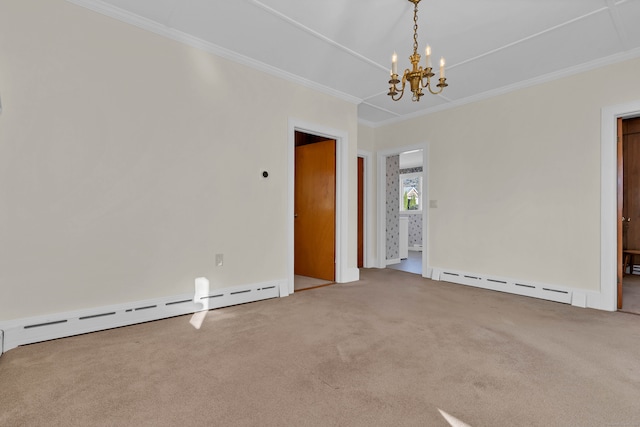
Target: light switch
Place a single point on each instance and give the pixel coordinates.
(433, 203)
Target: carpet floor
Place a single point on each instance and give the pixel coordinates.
(393, 349)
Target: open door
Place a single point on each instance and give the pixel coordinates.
(315, 210)
(620, 205)
(360, 212)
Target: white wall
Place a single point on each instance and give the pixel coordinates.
(128, 160)
(517, 178)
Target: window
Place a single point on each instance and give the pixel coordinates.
(411, 192)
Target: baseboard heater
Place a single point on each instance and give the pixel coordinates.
(43, 328)
(530, 289)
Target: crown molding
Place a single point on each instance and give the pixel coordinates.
(184, 38)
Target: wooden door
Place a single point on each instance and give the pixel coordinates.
(360, 212)
(315, 210)
(629, 134)
(620, 272)
(631, 183)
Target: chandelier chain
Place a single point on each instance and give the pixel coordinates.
(415, 28)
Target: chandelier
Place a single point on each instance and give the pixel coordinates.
(418, 77)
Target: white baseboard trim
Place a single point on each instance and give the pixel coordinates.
(30, 330)
(563, 294)
(393, 261)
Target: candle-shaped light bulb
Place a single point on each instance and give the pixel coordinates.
(394, 63)
(427, 54)
(442, 68)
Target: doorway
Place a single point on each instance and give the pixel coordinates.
(403, 205)
(610, 271)
(360, 257)
(343, 273)
(314, 211)
(629, 224)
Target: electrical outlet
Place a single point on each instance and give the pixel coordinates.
(219, 260)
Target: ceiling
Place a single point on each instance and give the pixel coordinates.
(344, 47)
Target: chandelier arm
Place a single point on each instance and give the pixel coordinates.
(435, 93)
(404, 83)
(399, 97)
(395, 89)
(441, 85)
(428, 80)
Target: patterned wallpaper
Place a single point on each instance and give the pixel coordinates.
(415, 220)
(393, 206)
(411, 170)
(415, 229)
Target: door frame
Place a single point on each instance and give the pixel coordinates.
(382, 202)
(343, 274)
(608, 201)
(368, 198)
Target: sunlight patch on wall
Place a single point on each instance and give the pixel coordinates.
(200, 297)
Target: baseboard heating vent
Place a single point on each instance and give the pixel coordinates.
(40, 325)
(180, 302)
(525, 286)
(93, 316)
(212, 296)
(551, 293)
(555, 290)
(43, 328)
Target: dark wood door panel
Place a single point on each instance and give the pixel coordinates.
(315, 210)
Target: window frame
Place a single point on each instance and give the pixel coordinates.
(402, 177)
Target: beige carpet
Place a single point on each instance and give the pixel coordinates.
(391, 350)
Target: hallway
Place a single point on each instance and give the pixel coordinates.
(413, 264)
